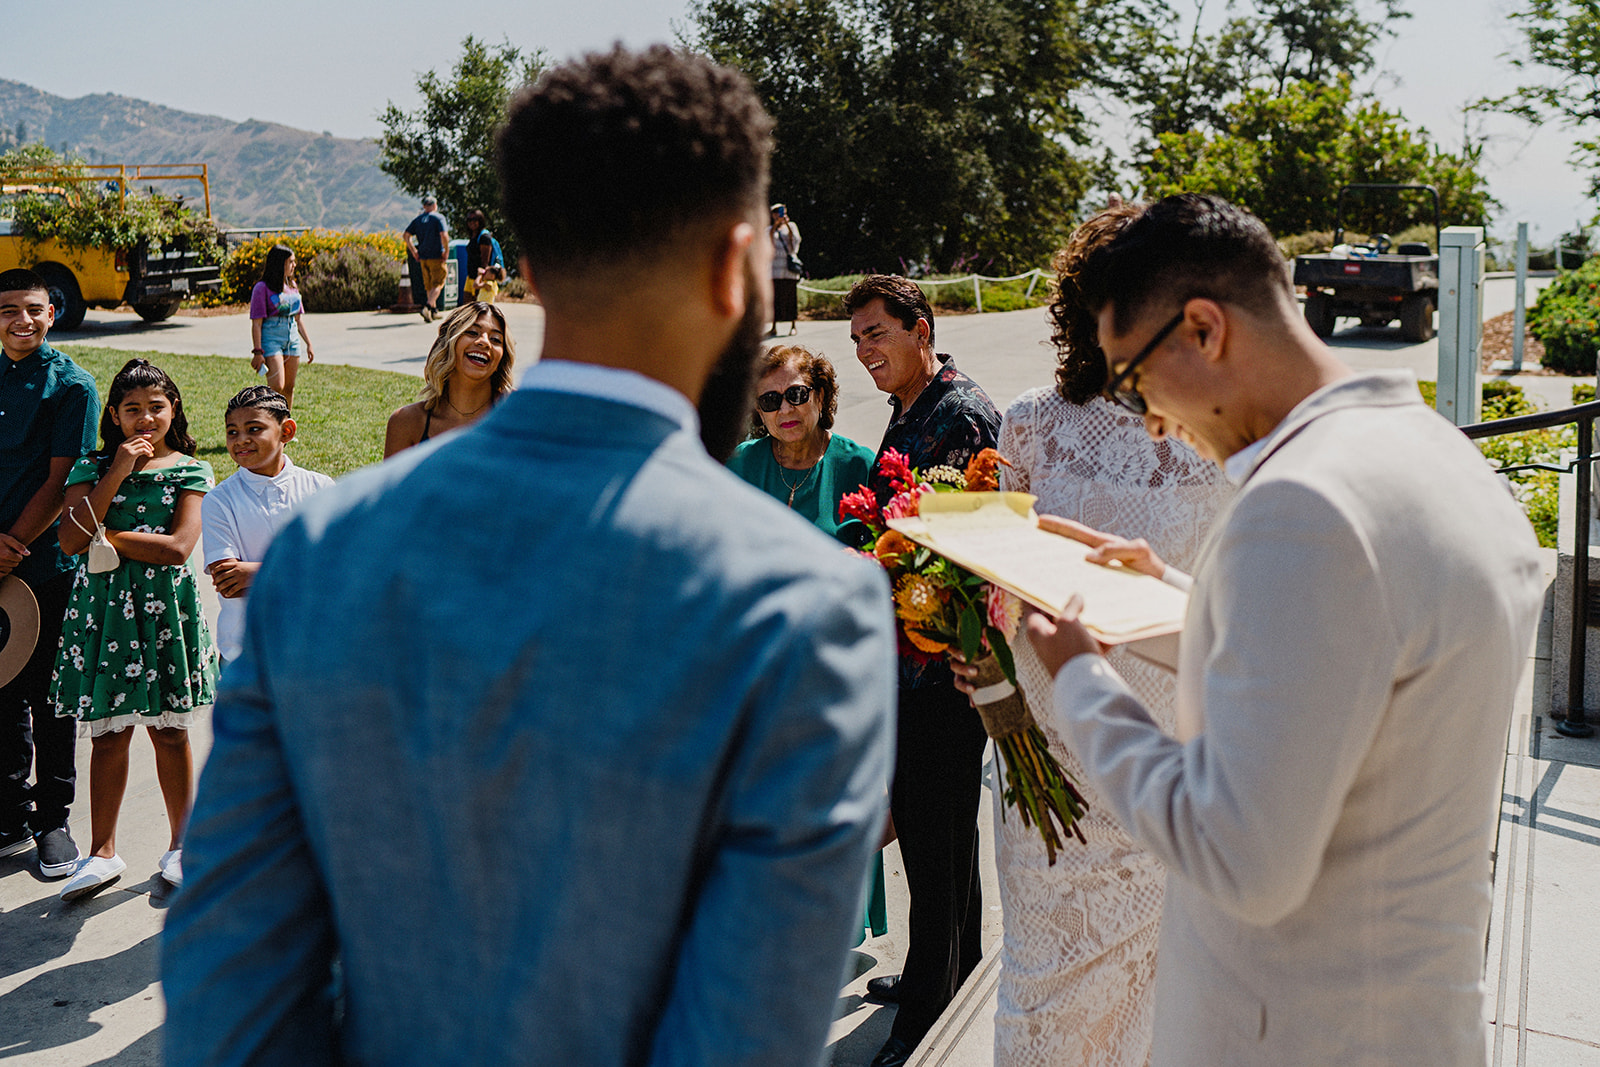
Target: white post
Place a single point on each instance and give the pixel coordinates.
(1519, 317)
(977, 296)
(1460, 322)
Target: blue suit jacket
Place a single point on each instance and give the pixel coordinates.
(569, 745)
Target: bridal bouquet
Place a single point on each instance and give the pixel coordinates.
(945, 610)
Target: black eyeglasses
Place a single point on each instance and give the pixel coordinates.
(795, 395)
(1127, 396)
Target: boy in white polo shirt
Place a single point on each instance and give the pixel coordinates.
(240, 517)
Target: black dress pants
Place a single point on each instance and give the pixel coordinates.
(938, 774)
(31, 737)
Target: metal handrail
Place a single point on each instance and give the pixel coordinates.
(1574, 725)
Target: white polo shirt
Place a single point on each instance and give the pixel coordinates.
(239, 518)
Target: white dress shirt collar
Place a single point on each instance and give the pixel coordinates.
(612, 383)
(261, 486)
(1239, 465)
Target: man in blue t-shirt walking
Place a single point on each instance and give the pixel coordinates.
(427, 242)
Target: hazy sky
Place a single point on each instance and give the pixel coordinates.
(333, 64)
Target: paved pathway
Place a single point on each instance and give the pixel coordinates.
(78, 983)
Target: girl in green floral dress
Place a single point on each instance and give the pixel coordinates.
(135, 649)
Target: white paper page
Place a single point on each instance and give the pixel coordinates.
(997, 542)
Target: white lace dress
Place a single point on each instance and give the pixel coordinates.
(1079, 954)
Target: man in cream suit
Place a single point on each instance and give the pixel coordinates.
(566, 744)
(1356, 632)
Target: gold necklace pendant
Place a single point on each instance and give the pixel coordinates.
(793, 489)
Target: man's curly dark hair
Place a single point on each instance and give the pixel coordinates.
(611, 158)
(1080, 363)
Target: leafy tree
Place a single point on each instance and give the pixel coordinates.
(446, 146)
(918, 133)
(1285, 155)
(1563, 50)
(1179, 81)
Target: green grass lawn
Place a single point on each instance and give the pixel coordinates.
(340, 411)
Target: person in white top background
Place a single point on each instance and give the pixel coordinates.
(241, 516)
(786, 269)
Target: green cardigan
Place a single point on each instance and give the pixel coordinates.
(843, 469)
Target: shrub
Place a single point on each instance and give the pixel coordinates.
(1537, 491)
(88, 214)
(1566, 320)
(352, 278)
(242, 269)
(1304, 244)
(997, 296)
(1582, 392)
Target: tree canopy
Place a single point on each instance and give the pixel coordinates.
(918, 134)
(1285, 155)
(949, 134)
(1563, 64)
(446, 146)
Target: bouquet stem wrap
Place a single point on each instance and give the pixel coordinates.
(1035, 783)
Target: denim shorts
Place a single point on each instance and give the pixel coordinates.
(280, 338)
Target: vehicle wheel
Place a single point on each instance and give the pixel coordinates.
(1416, 318)
(65, 296)
(1319, 314)
(158, 310)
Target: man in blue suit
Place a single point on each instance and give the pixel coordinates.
(565, 745)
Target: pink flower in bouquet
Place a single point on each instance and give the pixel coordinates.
(906, 504)
(1004, 611)
(862, 506)
(896, 468)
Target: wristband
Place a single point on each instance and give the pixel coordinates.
(258, 351)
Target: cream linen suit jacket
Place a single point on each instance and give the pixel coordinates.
(1358, 627)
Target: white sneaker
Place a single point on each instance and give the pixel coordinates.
(171, 867)
(93, 875)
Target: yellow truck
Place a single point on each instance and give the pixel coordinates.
(154, 281)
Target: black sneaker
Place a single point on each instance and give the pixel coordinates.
(58, 853)
(14, 841)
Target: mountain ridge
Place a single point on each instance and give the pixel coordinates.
(261, 173)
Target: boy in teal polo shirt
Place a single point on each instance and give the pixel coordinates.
(48, 412)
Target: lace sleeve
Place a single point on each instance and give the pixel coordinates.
(1017, 445)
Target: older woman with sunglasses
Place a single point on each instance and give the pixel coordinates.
(793, 455)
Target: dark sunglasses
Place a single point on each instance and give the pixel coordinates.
(1127, 395)
(795, 395)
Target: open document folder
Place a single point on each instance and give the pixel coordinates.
(997, 536)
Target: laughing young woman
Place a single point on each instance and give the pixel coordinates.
(467, 372)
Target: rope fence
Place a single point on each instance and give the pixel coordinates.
(975, 279)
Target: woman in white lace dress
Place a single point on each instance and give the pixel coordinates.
(1078, 958)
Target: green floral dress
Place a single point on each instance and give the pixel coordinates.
(135, 648)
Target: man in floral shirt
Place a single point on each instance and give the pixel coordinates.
(940, 418)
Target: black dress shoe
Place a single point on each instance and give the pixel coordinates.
(885, 989)
(894, 1053)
